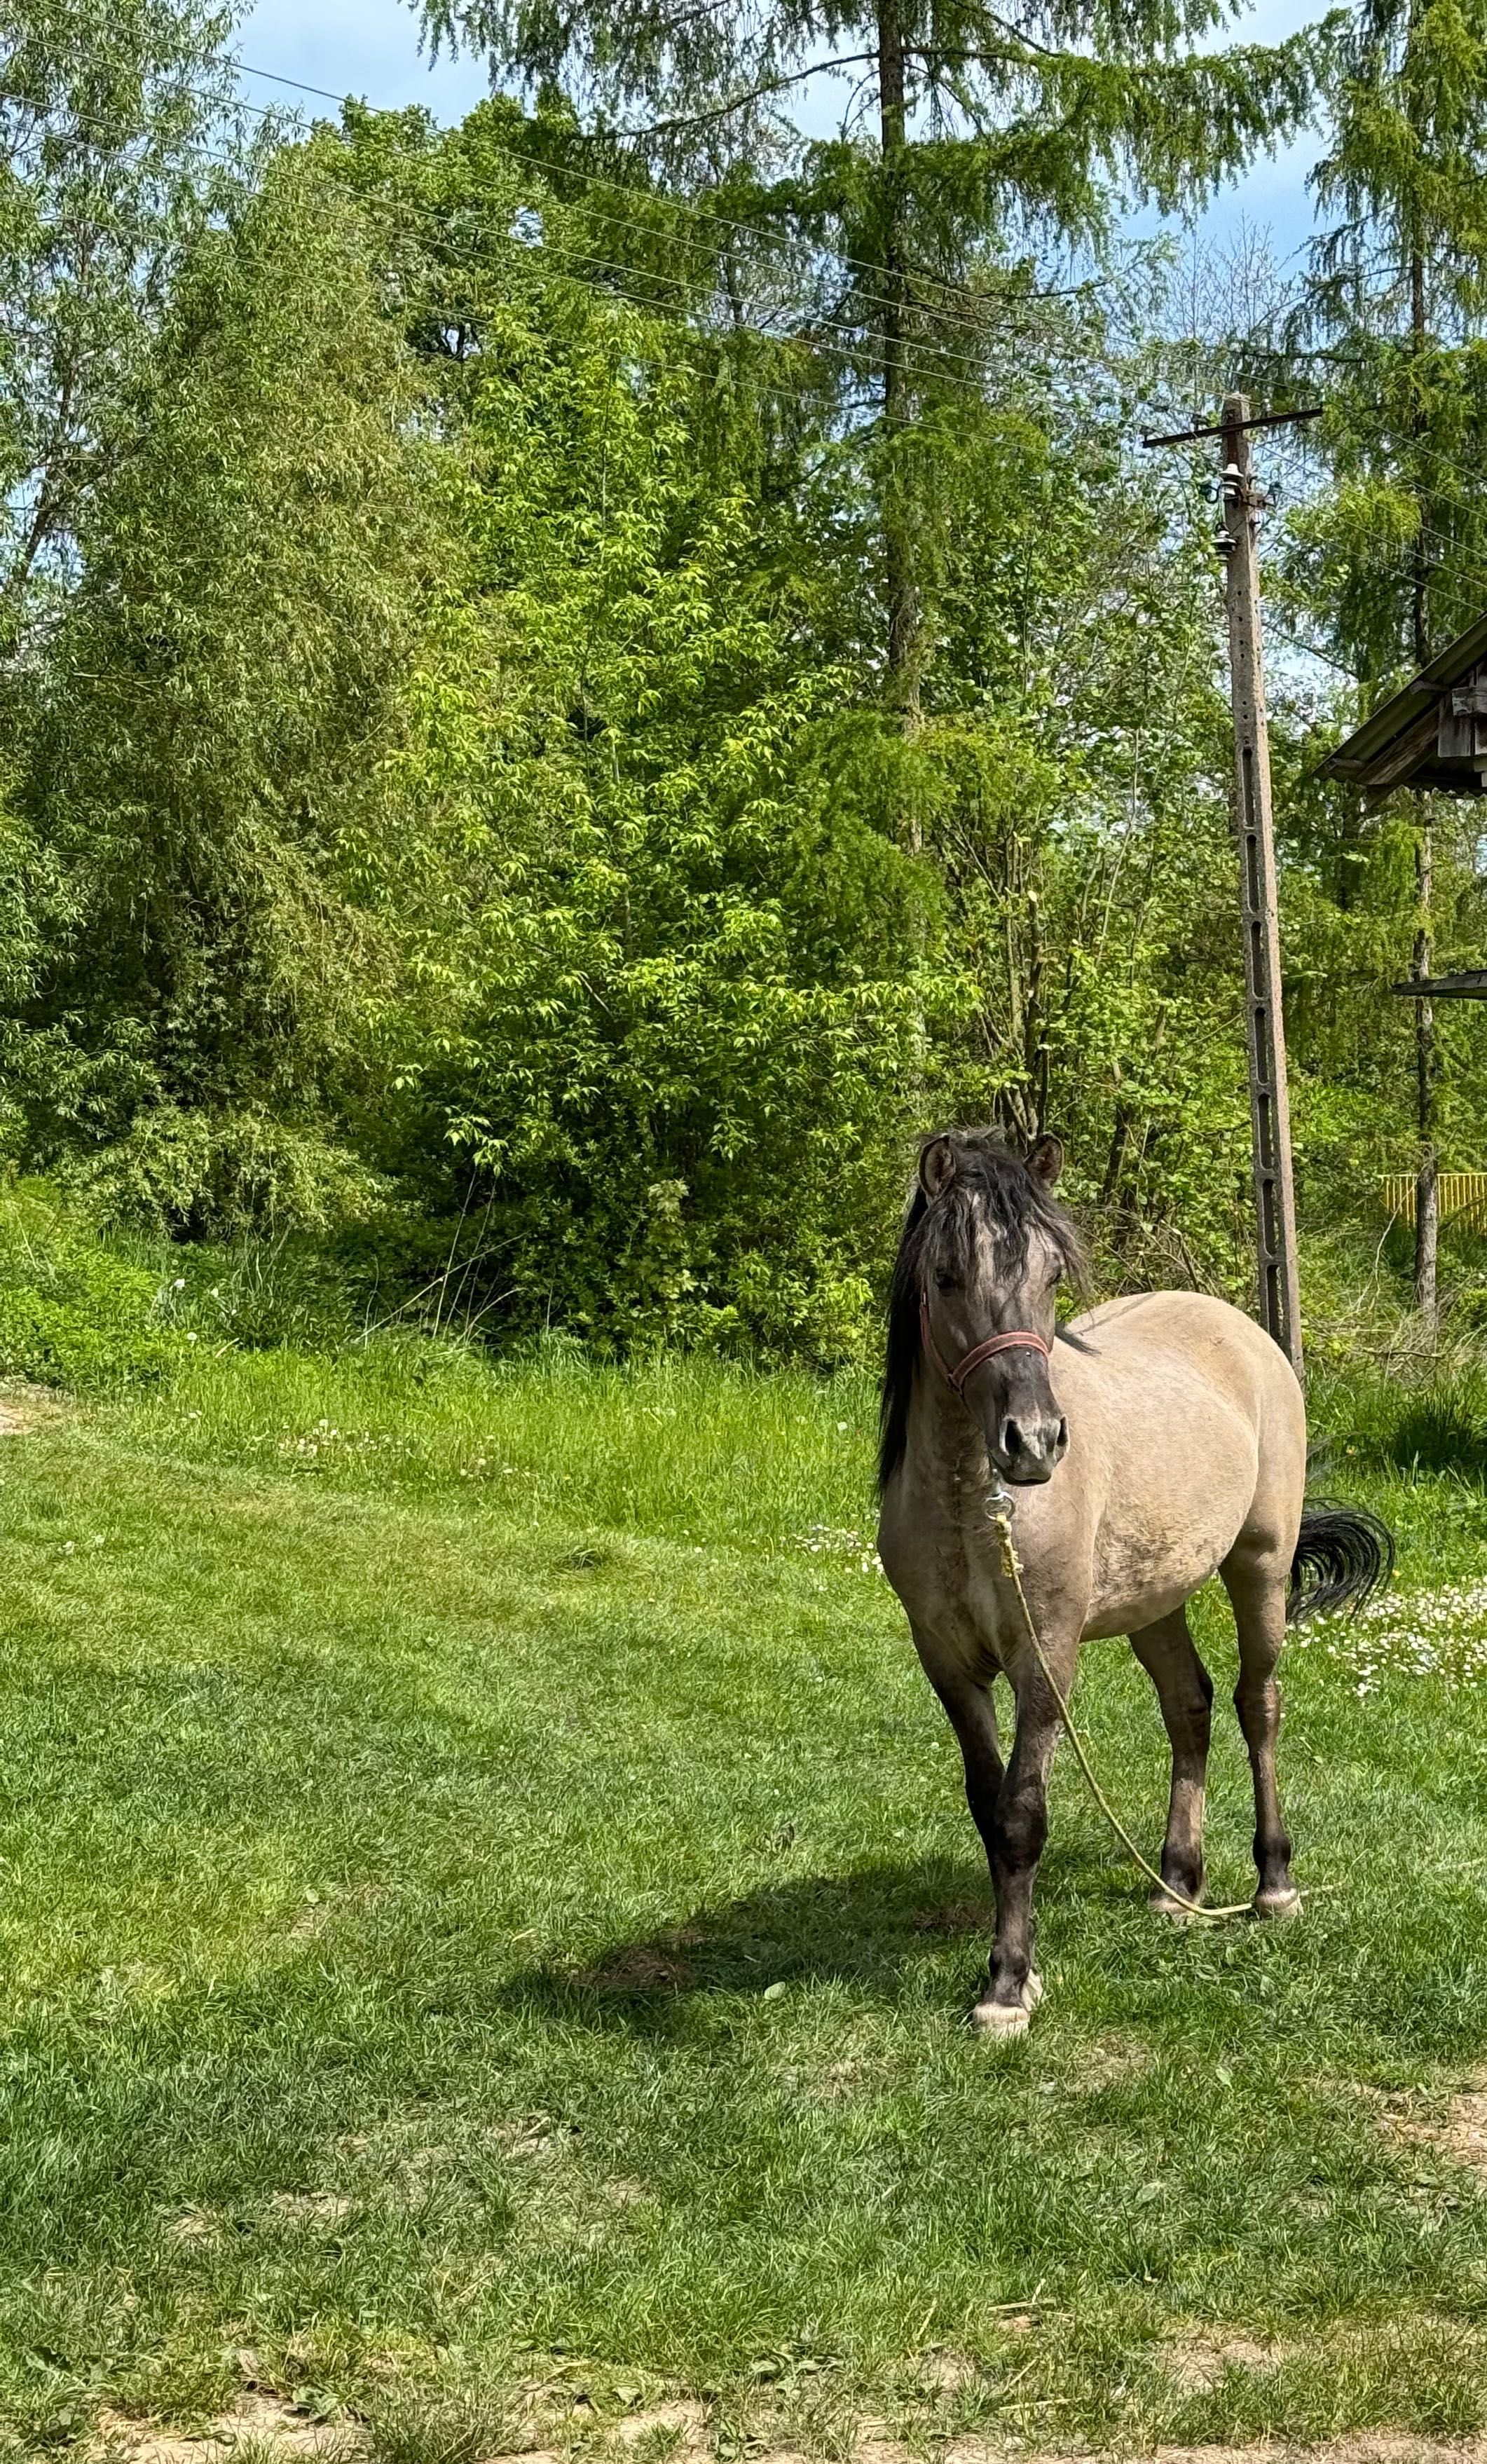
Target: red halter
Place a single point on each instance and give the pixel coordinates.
(978, 1351)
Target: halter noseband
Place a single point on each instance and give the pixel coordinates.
(1023, 1340)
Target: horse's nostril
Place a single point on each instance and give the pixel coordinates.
(1011, 1438)
(1062, 1439)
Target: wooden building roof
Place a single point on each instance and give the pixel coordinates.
(1433, 733)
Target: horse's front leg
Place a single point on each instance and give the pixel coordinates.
(1019, 1831)
(971, 1713)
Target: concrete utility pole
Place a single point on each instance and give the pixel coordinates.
(1270, 1106)
(1270, 1110)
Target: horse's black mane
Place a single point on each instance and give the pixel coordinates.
(939, 1238)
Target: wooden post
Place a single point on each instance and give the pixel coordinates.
(1270, 1110)
(1427, 1194)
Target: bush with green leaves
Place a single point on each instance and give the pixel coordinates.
(76, 1310)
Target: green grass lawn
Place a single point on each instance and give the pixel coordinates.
(489, 1916)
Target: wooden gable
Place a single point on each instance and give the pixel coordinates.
(1431, 734)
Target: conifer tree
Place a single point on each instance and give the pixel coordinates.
(971, 130)
(1397, 300)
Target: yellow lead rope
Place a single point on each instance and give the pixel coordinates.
(1013, 1570)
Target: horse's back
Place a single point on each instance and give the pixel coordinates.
(1147, 1332)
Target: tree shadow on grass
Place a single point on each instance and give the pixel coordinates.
(864, 1927)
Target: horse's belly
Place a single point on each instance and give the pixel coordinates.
(1151, 1553)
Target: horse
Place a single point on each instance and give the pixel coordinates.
(1152, 1442)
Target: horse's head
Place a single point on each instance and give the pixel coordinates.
(989, 1251)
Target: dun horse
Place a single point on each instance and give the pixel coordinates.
(1154, 1442)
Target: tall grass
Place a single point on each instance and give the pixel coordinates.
(1406, 1405)
(687, 1446)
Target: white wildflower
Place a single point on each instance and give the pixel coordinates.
(1440, 1633)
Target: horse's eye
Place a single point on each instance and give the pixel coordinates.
(946, 1282)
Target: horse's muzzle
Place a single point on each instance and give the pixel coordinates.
(1028, 1450)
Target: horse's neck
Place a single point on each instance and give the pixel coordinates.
(946, 1449)
(947, 1552)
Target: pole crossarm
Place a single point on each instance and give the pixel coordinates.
(1236, 427)
(1470, 984)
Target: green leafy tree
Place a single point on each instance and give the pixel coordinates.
(985, 125)
(1396, 298)
(116, 148)
(461, 767)
(657, 1029)
(205, 778)
(1390, 559)
(698, 976)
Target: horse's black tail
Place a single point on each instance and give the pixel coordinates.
(1341, 1558)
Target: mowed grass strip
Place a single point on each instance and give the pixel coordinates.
(488, 1914)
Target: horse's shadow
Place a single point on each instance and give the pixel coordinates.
(860, 1928)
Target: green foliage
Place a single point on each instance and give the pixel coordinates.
(74, 1310)
(673, 1032)
(116, 146)
(727, 937)
(549, 765)
(1389, 555)
(1034, 113)
(206, 765)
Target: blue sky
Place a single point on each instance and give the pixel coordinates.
(370, 48)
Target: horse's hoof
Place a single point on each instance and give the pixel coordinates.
(1009, 2018)
(1163, 1904)
(1278, 1903)
(1000, 2019)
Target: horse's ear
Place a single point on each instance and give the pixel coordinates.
(1045, 1162)
(936, 1165)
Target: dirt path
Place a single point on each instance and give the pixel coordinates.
(25, 1409)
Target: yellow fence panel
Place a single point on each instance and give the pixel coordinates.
(1463, 1196)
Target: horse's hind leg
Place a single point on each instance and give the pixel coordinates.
(1255, 1577)
(1185, 1691)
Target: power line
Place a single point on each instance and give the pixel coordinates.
(921, 362)
(953, 318)
(749, 231)
(914, 359)
(1313, 651)
(916, 366)
(917, 362)
(921, 369)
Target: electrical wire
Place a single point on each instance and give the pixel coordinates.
(916, 365)
(750, 231)
(914, 361)
(922, 361)
(954, 320)
(920, 354)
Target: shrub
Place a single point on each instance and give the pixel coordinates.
(74, 1310)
